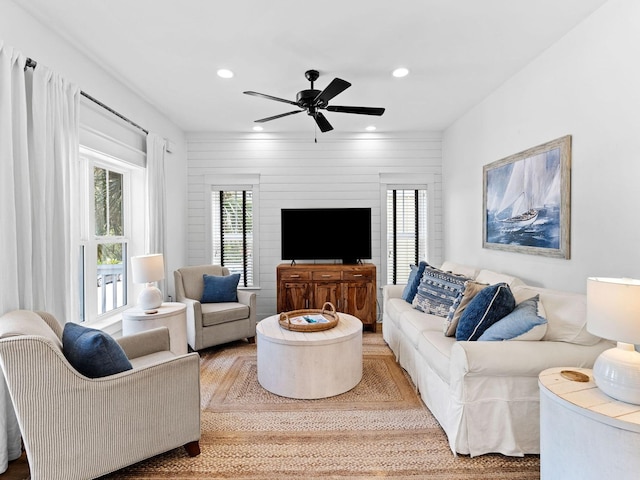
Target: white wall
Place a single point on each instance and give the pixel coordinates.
(588, 86)
(24, 33)
(338, 171)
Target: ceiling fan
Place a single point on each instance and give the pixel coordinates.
(312, 101)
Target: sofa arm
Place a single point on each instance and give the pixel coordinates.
(392, 291)
(145, 343)
(519, 358)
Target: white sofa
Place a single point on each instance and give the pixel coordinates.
(485, 394)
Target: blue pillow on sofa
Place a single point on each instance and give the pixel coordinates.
(491, 304)
(220, 288)
(414, 280)
(526, 322)
(93, 353)
(438, 291)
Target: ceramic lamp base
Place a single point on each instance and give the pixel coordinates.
(150, 298)
(617, 373)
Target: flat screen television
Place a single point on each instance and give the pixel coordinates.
(326, 234)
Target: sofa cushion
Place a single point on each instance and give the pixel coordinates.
(413, 281)
(526, 322)
(566, 314)
(491, 277)
(460, 269)
(223, 312)
(438, 290)
(486, 308)
(436, 351)
(220, 288)
(394, 308)
(414, 322)
(471, 289)
(93, 353)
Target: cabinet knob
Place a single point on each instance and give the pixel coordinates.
(358, 275)
(325, 275)
(295, 276)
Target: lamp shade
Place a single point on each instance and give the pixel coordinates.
(147, 268)
(613, 308)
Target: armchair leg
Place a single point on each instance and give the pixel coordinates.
(251, 339)
(192, 448)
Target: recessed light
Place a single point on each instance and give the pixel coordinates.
(224, 73)
(258, 128)
(371, 128)
(400, 72)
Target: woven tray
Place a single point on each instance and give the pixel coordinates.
(327, 310)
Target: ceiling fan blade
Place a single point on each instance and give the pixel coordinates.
(322, 122)
(358, 110)
(269, 97)
(262, 120)
(336, 86)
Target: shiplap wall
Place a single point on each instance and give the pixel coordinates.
(295, 172)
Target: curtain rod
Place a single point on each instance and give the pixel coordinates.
(32, 64)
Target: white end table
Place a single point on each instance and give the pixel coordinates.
(585, 434)
(172, 315)
(309, 364)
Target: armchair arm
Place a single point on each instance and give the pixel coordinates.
(145, 343)
(247, 297)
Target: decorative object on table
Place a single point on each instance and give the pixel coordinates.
(312, 319)
(148, 269)
(613, 312)
(526, 201)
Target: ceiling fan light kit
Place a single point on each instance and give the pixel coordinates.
(312, 101)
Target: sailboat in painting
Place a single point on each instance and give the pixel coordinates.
(517, 209)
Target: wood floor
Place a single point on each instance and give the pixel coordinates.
(18, 469)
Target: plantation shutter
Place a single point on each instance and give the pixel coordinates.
(406, 232)
(232, 232)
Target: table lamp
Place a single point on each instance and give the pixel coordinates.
(148, 269)
(613, 312)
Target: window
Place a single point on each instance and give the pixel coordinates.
(406, 232)
(106, 242)
(232, 232)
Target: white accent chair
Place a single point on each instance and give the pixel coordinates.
(75, 427)
(210, 324)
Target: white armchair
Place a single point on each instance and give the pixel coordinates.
(210, 324)
(75, 427)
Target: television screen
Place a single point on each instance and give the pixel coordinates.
(326, 234)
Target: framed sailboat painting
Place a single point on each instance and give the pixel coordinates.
(526, 201)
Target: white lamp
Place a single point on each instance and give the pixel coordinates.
(613, 312)
(148, 269)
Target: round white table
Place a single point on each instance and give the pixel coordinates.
(585, 434)
(172, 315)
(308, 365)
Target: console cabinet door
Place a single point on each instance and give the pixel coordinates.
(358, 301)
(295, 296)
(327, 292)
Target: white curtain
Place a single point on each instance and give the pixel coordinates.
(156, 216)
(39, 220)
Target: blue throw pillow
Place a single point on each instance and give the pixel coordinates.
(93, 353)
(526, 322)
(438, 291)
(220, 288)
(487, 307)
(411, 288)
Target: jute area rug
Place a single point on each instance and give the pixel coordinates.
(381, 428)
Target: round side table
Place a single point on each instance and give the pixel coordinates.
(172, 315)
(585, 434)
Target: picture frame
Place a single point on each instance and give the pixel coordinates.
(526, 201)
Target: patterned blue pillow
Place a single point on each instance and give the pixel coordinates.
(92, 352)
(526, 322)
(411, 288)
(438, 291)
(220, 288)
(486, 308)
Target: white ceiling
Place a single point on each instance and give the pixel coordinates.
(168, 51)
